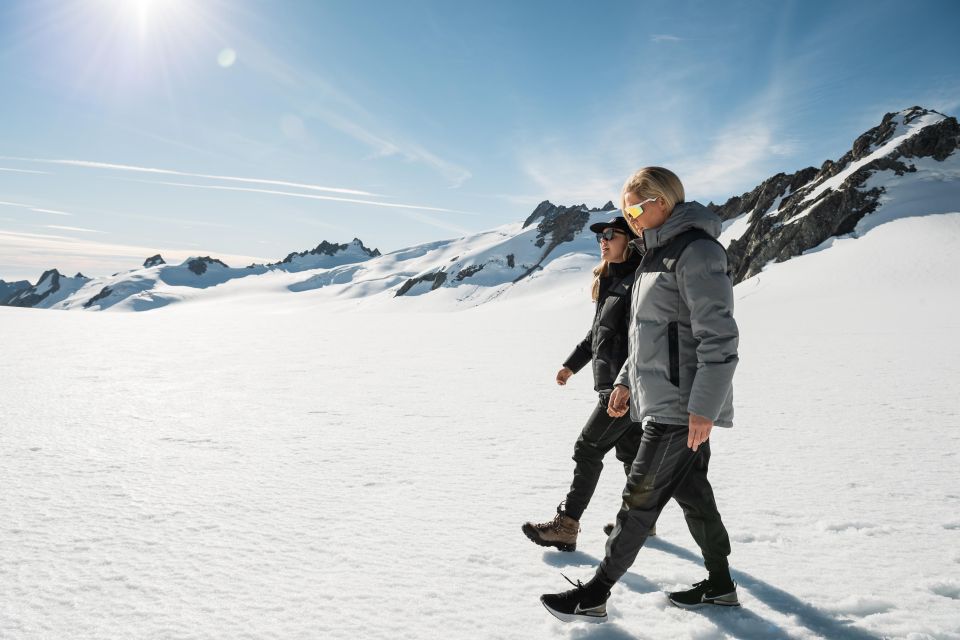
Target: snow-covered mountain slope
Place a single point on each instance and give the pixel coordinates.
(51, 289)
(158, 284)
(511, 260)
(155, 286)
(229, 468)
(907, 165)
(461, 272)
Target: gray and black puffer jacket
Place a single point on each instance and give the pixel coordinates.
(682, 338)
(606, 342)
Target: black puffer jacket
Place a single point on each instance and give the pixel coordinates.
(606, 342)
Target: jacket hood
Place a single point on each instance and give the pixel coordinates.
(685, 216)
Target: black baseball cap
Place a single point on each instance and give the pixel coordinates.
(617, 223)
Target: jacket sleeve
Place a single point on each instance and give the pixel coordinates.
(624, 376)
(582, 353)
(707, 291)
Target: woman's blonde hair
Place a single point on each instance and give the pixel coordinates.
(654, 182)
(602, 269)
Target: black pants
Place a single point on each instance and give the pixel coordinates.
(666, 468)
(599, 435)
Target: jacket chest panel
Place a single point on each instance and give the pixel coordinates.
(656, 296)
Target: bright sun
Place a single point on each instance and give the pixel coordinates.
(123, 46)
(147, 17)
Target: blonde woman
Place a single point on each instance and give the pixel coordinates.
(606, 346)
(677, 381)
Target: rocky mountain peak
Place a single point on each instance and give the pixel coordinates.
(330, 249)
(544, 208)
(200, 264)
(153, 261)
(50, 277)
(790, 213)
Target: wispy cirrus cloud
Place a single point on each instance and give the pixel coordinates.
(309, 196)
(66, 228)
(23, 170)
(173, 172)
(343, 113)
(92, 164)
(381, 147)
(34, 208)
(715, 159)
(665, 37)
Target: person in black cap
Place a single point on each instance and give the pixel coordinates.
(606, 346)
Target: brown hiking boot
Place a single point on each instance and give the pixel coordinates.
(561, 532)
(608, 529)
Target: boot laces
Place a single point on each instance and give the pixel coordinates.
(577, 584)
(555, 524)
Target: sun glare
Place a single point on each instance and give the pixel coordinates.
(144, 18)
(120, 48)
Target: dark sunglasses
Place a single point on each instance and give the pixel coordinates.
(608, 233)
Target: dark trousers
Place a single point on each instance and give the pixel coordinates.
(599, 435)
(666, 468)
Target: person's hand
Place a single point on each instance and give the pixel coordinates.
(700, 428)
(619, 402)
(563, 375)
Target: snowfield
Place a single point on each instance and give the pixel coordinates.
(291, 465)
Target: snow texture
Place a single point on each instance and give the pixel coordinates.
(257, 464)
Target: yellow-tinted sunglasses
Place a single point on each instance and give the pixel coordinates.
(634, 211)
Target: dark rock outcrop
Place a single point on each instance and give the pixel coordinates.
(106, 291)
(466, 272)
(436, 277)
(329, 249)
(153, 261)
(199, 265)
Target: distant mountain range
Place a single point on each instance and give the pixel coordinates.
(906, 166)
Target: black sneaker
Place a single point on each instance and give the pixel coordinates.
(608, 529)
(584, 603)
(704, 593)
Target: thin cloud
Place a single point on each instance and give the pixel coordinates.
(383, 148)
(24, 234)
(665, 37)
(126, 167)
(717, 163)
(348, 114)
(293, 194)
(24, 171)
(34, 208)
(65, 228)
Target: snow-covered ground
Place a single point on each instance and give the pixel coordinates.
(296, 466)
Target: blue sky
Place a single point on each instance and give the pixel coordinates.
(281, 124)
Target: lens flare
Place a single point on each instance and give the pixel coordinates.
(226, 58)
